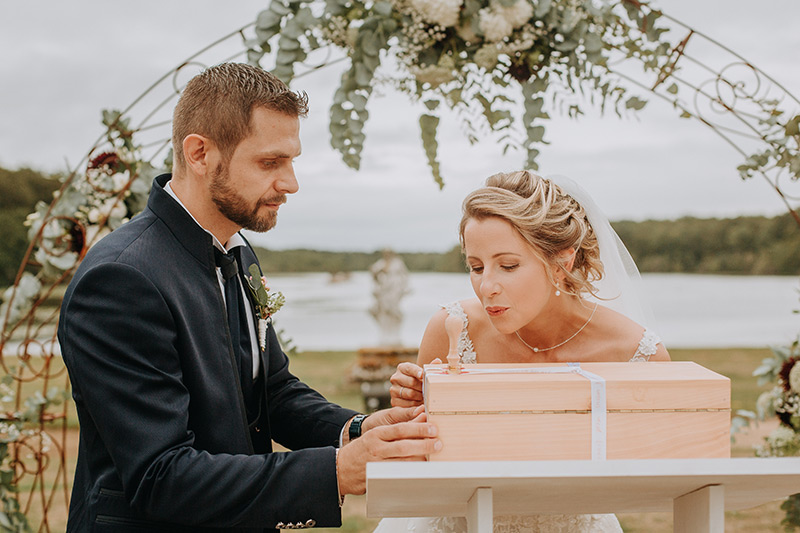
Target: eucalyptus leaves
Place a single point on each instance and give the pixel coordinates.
(472, 56)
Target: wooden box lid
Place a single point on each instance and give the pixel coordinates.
(673, 385)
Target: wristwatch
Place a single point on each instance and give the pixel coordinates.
(355, 427)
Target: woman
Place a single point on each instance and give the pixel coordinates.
(553, 283)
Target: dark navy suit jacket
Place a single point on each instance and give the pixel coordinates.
(164, 440)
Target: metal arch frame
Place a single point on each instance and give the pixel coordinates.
(41, 454)
(707, 98)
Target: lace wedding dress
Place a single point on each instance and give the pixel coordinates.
(555, 523)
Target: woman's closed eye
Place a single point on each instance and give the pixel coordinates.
(478, 269)
(509, 268)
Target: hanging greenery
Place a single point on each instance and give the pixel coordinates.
(486, 59)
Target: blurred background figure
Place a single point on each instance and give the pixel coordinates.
(390, 285)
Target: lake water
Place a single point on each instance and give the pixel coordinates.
(691, 311)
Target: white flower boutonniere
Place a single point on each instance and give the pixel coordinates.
(267, 303)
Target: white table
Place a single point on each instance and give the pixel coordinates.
(697, 491)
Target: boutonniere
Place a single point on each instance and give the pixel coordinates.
(267, 303)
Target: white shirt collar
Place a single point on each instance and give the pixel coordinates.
(233, 242)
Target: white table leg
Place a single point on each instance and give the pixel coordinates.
(700, 511)
(480, 515)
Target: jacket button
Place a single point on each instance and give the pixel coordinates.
(311, 523)
(280, 525)
(258, 429)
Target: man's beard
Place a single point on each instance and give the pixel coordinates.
(234, 206)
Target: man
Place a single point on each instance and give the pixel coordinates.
(177, 401)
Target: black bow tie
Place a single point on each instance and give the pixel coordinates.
(227, 263)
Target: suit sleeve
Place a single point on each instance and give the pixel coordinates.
(118, 339)
(300, 417)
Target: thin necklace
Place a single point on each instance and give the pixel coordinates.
(537, 350)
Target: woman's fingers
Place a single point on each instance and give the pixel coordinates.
(405, 396)
(406, 388)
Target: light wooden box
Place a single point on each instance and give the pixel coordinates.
(654, 410)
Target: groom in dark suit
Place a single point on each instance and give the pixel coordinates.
(177, 400)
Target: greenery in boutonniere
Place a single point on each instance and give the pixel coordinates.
(267, 303)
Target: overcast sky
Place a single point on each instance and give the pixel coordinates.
(62, 62)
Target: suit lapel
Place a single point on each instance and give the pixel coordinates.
(245, 257)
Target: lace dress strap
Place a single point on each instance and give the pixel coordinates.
(466, 351)
(647, 346)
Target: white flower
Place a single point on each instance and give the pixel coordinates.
(112, 208)
(486, 56)
(120, 180)
(765, 405)
(494, 25)
(442, 12)
(781, 436)
(94, 233)
(94, 215)
(517, 15)
(794, 378)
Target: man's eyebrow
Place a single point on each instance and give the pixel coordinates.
(276, 155)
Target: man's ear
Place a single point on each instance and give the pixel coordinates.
(196, 153)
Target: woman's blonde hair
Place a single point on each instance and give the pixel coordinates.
(547, 218)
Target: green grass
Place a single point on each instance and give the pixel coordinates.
(737, 364)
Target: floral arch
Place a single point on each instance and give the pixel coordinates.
(502, 65)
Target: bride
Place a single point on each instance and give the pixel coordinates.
(553, 283)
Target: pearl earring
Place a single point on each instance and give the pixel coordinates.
(558, 292)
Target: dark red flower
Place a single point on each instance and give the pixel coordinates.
(106, 161)
(784, 373)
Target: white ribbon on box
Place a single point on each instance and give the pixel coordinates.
(598, 396)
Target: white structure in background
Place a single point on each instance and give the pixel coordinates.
(390, 285)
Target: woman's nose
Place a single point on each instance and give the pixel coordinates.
(489, 287)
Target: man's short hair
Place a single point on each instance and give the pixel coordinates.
(218, 104)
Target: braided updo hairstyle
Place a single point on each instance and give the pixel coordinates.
(547, 218)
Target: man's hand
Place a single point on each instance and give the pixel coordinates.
(406, 389)
(399, 441)
(393, 415)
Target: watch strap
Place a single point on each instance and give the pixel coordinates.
(355, 427)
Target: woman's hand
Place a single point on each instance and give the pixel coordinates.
(406, 389)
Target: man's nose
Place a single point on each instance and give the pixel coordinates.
(287, 183)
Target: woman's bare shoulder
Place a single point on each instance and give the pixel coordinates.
(623, 335)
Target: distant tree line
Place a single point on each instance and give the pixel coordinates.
(303, 260)
(743, 245)
(19, 192)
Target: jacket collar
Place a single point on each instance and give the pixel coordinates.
(196, 240)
